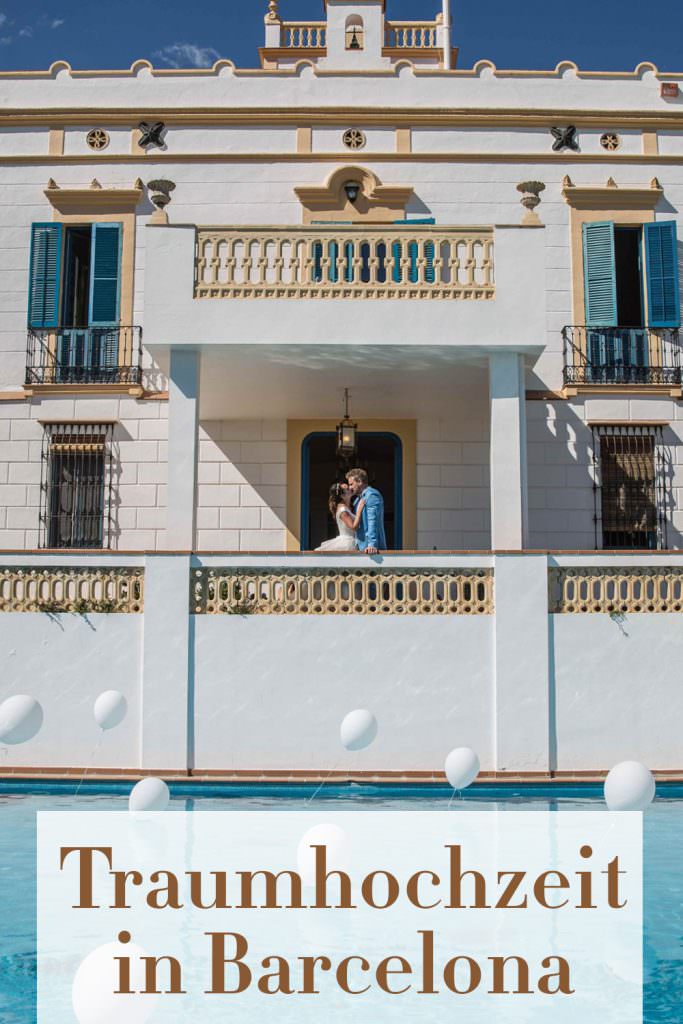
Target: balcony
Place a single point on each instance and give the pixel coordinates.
(411, 35)
(315, 285)
(84, 355)
(345, 262)
(626, 356)
(304, 35)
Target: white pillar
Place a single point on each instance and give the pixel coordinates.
(183, 428)
(522, 664)
(446, 33)
(508, 452)
(167, 665)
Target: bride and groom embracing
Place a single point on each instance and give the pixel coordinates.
(358, 511)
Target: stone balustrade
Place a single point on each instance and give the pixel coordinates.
(345, 262)
(616, 591)
(342, 591)
(304, 35)
(79, 589)
(411, 35)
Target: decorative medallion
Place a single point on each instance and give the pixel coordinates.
(565, 138)
(610, 141)
(354, 138)
(151, 134)
(97, 138)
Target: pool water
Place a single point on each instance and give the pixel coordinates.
(19, 802)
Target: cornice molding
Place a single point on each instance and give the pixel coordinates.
(563, 159)
(95, 197)
(612, 196)
(536, 117)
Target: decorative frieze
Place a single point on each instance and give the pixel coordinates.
(342, 592)
(80, 590)
(615, 591)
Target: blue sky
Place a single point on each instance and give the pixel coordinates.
(605, 35)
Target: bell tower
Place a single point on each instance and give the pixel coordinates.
(355, 35)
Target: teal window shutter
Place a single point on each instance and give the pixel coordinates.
(105, 273)
(44, 279)
(397, 252)
(600, 279)
(430, 269)
(661, 263)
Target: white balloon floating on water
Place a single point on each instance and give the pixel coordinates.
(150, 794)
(358, 729)
(462, 767)
(96, 981)
(21, 718)
(630, 786)
(110, 709)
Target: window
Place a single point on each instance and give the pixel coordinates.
(355, 35)
(630, 487)
(76, 482)
(74, 293)
(631, 275)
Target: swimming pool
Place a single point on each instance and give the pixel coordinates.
(19, 802)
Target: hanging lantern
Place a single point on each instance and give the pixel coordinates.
(347, 433)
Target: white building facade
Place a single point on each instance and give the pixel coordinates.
(198, 264)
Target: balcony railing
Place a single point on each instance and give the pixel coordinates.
(279, 591)
(84, 355)
(622, 355)
(304, 35)
(411, 35)
(345, 262)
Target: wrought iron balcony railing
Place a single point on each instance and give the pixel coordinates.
(84, 355)
(345, 261)
(622, 355)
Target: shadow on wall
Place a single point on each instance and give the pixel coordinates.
(241, 487)
(564, 474)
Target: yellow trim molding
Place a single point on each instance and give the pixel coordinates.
(601, 197)
(95, 197)
(631, 205)
(405, 430)
(376, 202)
(503, 117)
(96, 205)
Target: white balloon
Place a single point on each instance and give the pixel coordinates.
(462, 767)
(95, 983)
(629, 787)
(150, 794)
(334, 839)
(110, 709)
(358, 730)
(21, 718)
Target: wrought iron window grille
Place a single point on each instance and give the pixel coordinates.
(631, 469)
(76, 483)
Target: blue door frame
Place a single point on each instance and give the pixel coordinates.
(398, 482)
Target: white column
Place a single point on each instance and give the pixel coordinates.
(522, 663)
(167, 665)
(508, 452)
(183, 428)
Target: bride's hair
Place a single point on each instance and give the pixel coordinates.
(336, 498)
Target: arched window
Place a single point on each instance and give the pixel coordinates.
(355, 33)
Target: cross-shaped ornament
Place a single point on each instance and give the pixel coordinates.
(565, 138)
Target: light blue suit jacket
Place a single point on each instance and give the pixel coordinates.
(370, 533)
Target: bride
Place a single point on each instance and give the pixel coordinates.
(347, 522)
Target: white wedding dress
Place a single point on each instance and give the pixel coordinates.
(346, 541)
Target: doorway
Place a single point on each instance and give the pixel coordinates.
(379, 453)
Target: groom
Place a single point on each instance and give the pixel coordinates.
(370, 535)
